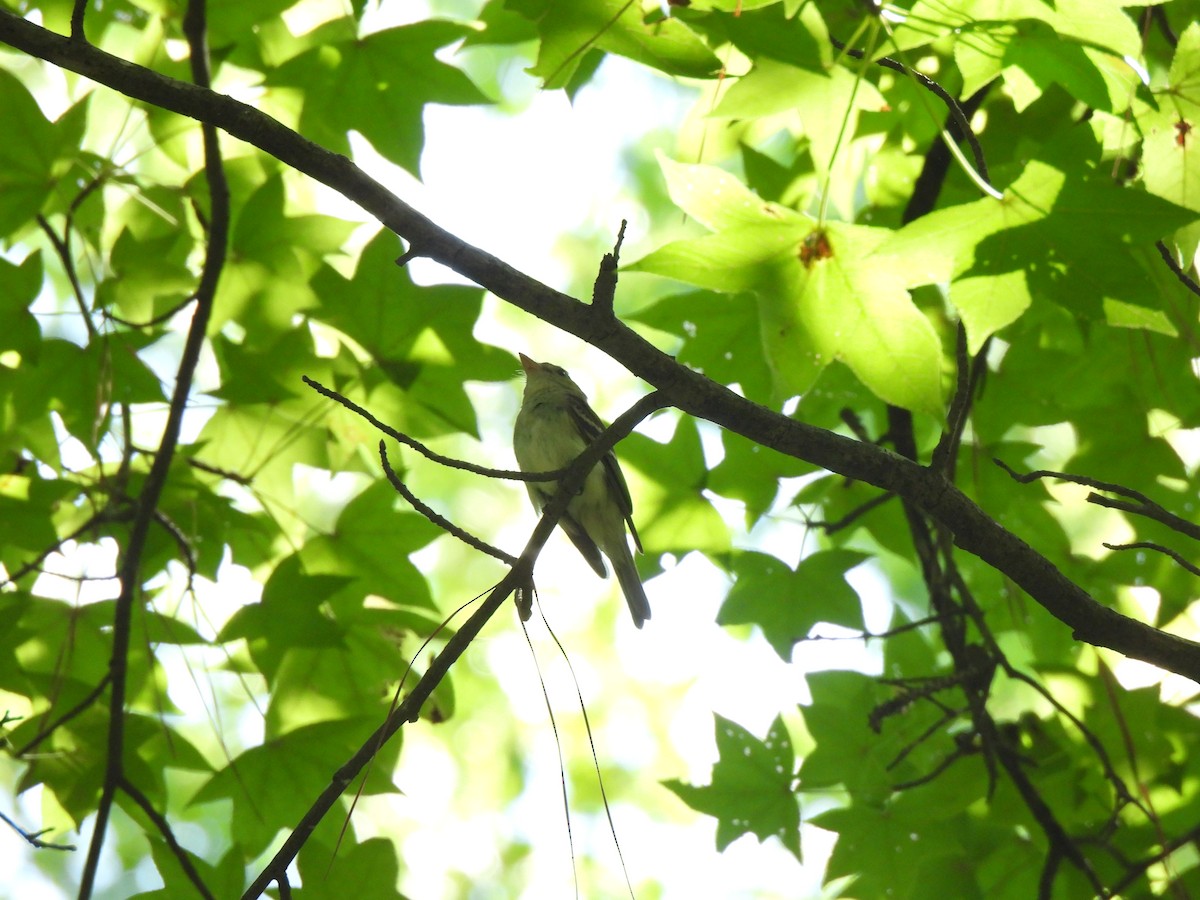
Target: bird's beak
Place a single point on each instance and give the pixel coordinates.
(528, 364)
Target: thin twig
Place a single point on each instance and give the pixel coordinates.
(872, 635)
(164, 828)
(853, 515)
(448, 461)
(66, 717)
(1143, 507)
(201, 465)
(1139, 868)
(155, 320)
(604, 291)
(958, 116)
(35, 563)
(34, 838)
(437, 518)
(63, 251)
(1169, 258)
(147, 502)
(1150, 545)
(519, 578)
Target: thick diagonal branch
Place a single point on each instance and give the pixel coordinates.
(973, 529)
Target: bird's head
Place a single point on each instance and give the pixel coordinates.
(546, 377)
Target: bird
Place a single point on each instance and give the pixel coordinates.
(556, 424)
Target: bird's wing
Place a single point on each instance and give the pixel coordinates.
(589, 426)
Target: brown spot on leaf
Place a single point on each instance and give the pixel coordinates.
(815, 247)
(1182, 128)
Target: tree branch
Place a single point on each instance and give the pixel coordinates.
(164, 828)
(401, 438)
(973, 530)
(34, 838)
(519, 578)
(156, 478)
(437, 518)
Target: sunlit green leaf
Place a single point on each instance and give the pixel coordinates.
(305, 756)
(370, 547)
(720, 337)
(760, 771)
(1068, 238)
(786, 604)
(672, 512)
(18, 286)
(823, 101)
(615, 26)
(1170, 161)
(378, 87)
(820, 298)
(420, 337)
(25, 164)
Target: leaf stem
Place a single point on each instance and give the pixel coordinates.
(849, 114)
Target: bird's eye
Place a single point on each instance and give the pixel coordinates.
(557, 370)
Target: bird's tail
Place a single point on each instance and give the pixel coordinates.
(631, 586)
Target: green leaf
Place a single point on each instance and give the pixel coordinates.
(235, 20)
(272, 259)
(421, 337)
(1170, 160)
(501, 26)
(288, 615)
(1077, 44)
(27, 163)
(668, 482)
(720, 335)
(1126, 315)
(716, 199)
(148, 277)
(744, 258)
(1059, 232)
(821, 297)
(268, 371)
(847, 751)
(370, 547)
(366, 870)
(822, 99)
(988, 303)
(615, 26)
(378, 86)
(786, 604)
(751, 790)
(225, 879)
(19, 285)
(261, 444)
(262, 781)
(887, 856)
(768, 31)
(752, 473)
(832, 303)
(1095, 78)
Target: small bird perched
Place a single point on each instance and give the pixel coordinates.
(554, 426)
